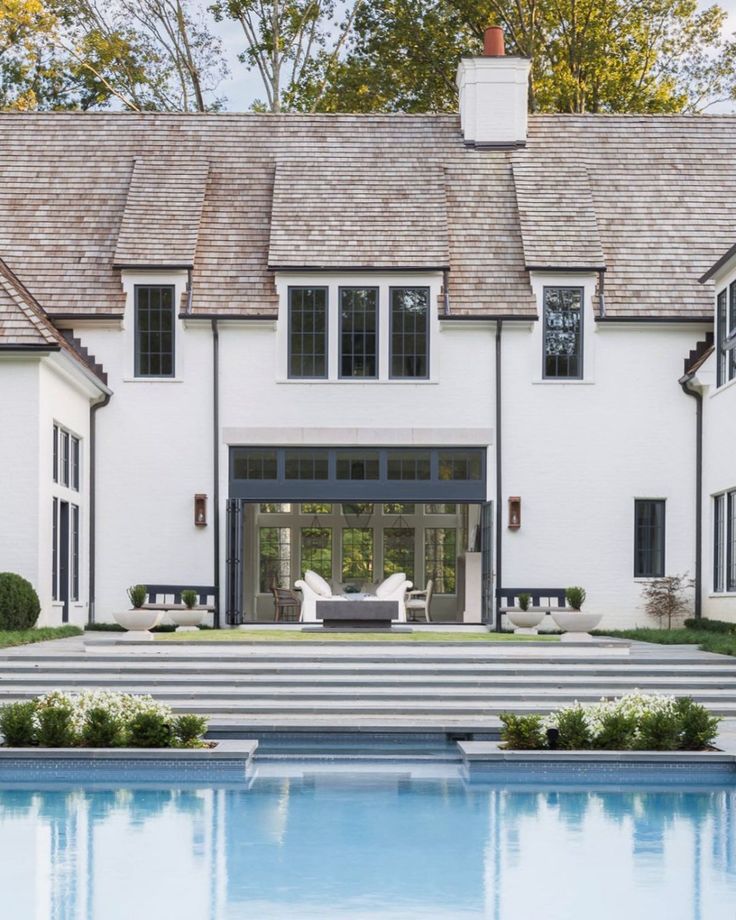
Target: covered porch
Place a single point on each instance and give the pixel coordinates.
(355, 517)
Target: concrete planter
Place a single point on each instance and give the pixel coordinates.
(575, 624)
(525, 621)
(138, 622)
(187, 619)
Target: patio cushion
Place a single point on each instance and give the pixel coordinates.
(317, 584)
(390, 584)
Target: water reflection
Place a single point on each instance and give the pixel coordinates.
(386, 848)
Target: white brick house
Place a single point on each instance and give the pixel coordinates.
(446, 345)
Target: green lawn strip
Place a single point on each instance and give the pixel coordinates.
(706, 640)
(278, 635)
(12, 637)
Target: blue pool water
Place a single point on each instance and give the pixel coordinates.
(308, 841)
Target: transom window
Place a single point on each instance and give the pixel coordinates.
(308, 332)
(306, 464)
(359, 332)
(649, 538)
(724, 542)
(563, 332)
(154, 331)
(726, 335)
(409, 332)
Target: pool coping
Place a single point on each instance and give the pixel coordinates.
(230, 750)
(480, 752)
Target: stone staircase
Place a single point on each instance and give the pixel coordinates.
(256, 689)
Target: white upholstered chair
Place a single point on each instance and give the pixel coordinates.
(419, 601)
(314, 588)
(394, 588)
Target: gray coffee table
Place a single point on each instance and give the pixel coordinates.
(347, 614)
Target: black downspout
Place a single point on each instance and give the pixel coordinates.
(91, 589)
(685, 384)
(499, 482)
(216, 463)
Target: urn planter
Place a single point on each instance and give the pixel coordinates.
(138, 622)
(187, 619)
(525, 622)
(575, 624)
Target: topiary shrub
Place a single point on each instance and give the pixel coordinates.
(101, 729)
(19, 604)
(190, 730)
(56, 726)
(150, 730)
(18, 724)
(522, 733)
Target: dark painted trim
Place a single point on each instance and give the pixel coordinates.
(173, 266)
(565, 268)
(410, 287)
(491, 317)
(499, 478)
(663, 502)
(216, 466)
(308, 287)
(705, 320)
(136, 354)
(508, 145)
(208, 317)
(358, 268)
(35, 349)
(685, 383)
(729, 254)
(91, 589)
(348, 287)
(83, 317)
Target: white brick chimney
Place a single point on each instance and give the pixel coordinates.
(494, 92)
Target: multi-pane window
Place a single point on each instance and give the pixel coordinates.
(409, 315)
(440, 558)
(316, 547)
(411, 465)
(275, 508)
(726, 335)
(308, 332)
(306, 464)
(74, 553)
(357, 466)
(56, 453)
(563, 332)
(460, 465)
(154, 331)
(255, 464)
(398, 508)
(724, 542)
(55, 549)
(74, 463)
(359, 332)
(649, 538)
(316, 508)
(66, 458)
(357, 553)
(274, 558)
(440, 509)
(398, 551)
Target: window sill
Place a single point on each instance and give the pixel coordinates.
(153, 379)
(342, 381)
(549, 381)
(723, 595)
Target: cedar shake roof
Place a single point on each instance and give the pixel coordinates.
(557, 216)
(162, 213)
(330, 214)
(24, 325)
(661, 191)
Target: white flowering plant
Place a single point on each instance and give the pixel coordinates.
(98, 718)
(635, 721)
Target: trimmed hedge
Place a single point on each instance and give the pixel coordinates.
(19, 604)
(716, 626)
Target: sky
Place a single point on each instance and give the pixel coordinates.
(243, 87)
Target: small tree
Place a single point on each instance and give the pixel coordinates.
(667, 599)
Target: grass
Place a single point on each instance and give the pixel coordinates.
(11, 637)
(278, 635)
(707, 640)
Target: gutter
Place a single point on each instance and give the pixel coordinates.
(216, 465)
(686, 384)
(499, 482)
(91, 589)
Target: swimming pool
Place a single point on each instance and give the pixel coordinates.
(396, 841)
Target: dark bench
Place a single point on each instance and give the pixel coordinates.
(339, 614)
(546, 599)
(166, 597)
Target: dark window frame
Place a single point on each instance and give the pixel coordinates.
(54, 549)
(377, 356)
(136, 331)
(75, 456)
(428, 335)
(658, 566)
(64, 457)
(581, 334)
(719, 537)
(74, 541)
(730, 536)
(55, 454)
(289, 329)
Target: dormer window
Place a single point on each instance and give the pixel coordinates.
(409, 332)
(154, 330)
(563, 333)
(308, 332)
(359, 332)
(726, 335)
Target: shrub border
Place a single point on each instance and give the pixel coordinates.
(237, 750)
